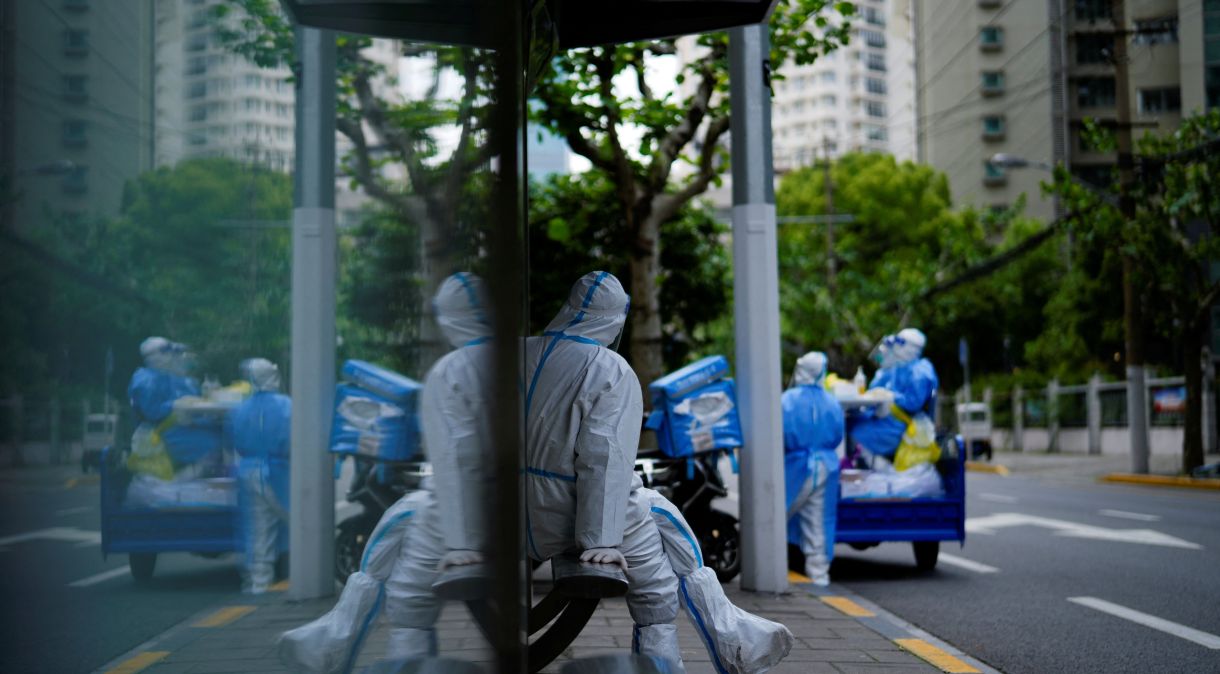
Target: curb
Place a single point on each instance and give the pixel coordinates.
(1162, 480)
(980, 467)
(931, 649)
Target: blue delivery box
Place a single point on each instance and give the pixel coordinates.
(695, 409)
(376, 414)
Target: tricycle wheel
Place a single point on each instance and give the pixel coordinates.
(863, 546)
(721, 546)
(349, 545)
(142, 565)
(926, 553)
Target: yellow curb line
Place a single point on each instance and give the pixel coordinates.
(980, 467)
(937, 657)
(1163, 480)
(138, 662)
(848, 607)
(794, 577)
(225, 616)
(77, 481)
(281, 586)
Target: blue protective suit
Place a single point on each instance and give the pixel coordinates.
(913, 384)
(152, 393)
(813, 429)
(259, 430)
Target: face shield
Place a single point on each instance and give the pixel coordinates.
(618, 339)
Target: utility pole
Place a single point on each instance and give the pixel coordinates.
(831, 270)
(1137, 391)
(764, 565)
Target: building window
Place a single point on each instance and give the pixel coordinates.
(197, 90)
(76, 88)
(829, 100)
(828, 77)
(993, 175)
(197, 42)
(76, 43)
(876, 62)
(198, 65)
(876, 133)
(199, 113)
(992, 83)
(874, 108)
(1162, 30)
(1167, 99)
(875, 85)
(873, 38)
(74, 133)
(989, 4)
(1095, 92)
(993, 127)
(874, 17)
(76, 5)
(1092, 10)
(197, 139)
(76, 182)
(991, 38)
(1097, 175)
(1093, 48)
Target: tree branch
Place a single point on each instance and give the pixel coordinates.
(716, 128)
(682, 133)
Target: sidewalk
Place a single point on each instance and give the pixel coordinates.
(1081, 467)
(836, 632)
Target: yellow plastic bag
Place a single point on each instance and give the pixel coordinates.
(918, 443)
(148, 455)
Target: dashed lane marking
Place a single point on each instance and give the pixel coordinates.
(997, 498)
(138, 662)
(848, 607)
(969, 565)
(937, 657)
(99, 578)
(225, 616)
(1124, 515)
(1181, 631)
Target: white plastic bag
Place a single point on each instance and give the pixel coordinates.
(919, 481)
(332, 642)
(743, 643)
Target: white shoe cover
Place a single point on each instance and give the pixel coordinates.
(659, 641)
(331, 642)
(406, 643)
(739, 642)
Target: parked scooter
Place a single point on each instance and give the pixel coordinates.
(692, 484)
(376, 485)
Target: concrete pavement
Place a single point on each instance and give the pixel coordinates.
(836, 632)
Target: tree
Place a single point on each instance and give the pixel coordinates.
(1174, 239)
(682, 131)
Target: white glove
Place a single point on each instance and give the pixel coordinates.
(604, 556)
(459, 558)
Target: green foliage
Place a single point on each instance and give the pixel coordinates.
(573, 231)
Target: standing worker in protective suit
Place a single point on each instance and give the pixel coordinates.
(258, 430)
(912, 381)
(813, 429)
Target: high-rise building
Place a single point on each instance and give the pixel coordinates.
(75, 91)
(858, 98)
(1022, 78)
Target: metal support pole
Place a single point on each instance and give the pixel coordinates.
(1052, 416)
(1093, 407)
(1209, 403)
(756, 313)
(312, 495)
(1018, 419)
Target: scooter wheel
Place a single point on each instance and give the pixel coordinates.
(722, 546)
(353, 535)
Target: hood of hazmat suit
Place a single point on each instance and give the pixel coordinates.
(454, 411)
(583, 410)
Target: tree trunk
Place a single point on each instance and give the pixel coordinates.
(646, 358)
(1192, 436)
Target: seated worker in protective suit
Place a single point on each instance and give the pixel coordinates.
(258, 431)
(152, 392)
(813, 429)
(583, 415)
(912, 381)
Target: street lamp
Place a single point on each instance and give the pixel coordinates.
(1137, 402)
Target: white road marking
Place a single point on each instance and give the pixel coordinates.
(99, 578)
(73, 511)
(990, 523)
(1181, 631)
(966, 564)
(1124, 515)
(997, 498)
(69, 534)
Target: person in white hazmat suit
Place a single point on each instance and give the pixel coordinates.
(584, 410)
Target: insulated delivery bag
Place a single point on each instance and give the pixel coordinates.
(376, 414)
(695, 409)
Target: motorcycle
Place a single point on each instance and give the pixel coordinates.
(692, 484)
(376, 485)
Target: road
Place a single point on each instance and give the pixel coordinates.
(1034, 591)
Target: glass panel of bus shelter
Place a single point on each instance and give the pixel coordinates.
(146, 191)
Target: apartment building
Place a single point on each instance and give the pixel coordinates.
(1022, 76)
(75, 106)
(858, 98)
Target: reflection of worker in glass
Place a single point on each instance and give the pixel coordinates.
(813, 429)
(445, 527)
(912, 381)
(258, 430)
